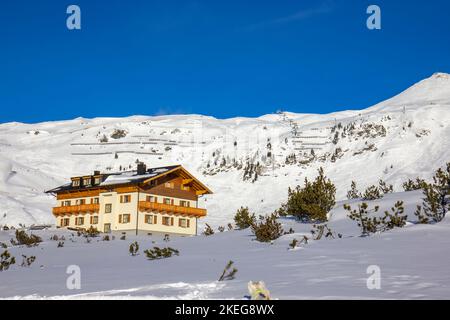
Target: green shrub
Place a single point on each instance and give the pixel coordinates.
(367, 224)
(412, 185)
(27, 261)
(158, 253)
(396, 219)
(228, 273)
(267, 229)
(372, 193)
(313, 201)
(436, 203)
(208, 230)
(6, 260)
(243, 219)
(385, 188)
(134, 248)
(91, 232)
(22, 238)
(353, 193)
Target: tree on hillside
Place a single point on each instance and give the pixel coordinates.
(311, 202)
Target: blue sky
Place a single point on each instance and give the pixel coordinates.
(218, 58)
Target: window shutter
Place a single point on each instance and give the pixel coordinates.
(171, 221)
(171, 201)
(187, 221)
(155, 219)
(179, 222)
(91, 219)
(120, 218)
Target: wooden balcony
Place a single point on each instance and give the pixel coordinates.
(79, 209)
(161, 207)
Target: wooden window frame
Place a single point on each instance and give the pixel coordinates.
(108, 205)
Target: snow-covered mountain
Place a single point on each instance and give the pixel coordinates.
(245, 161)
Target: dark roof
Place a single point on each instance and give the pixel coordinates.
(118, 178)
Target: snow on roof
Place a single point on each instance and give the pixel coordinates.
(126, 177)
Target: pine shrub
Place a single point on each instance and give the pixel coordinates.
(6, 260)
(229, 273)
(267, 229)
(158, 253)
(22, 238)
(243, 218)
(412, 185)
(353, 193)
(208, 230)
(311, 202)
(372, 193)
(134, 248)
(367, 224)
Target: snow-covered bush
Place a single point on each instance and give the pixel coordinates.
(158, 253)
(243, 218)
(311, 202)
(22, 238)
(267, 228)
(6, 260)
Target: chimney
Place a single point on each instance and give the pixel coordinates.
(141, 168)
(96, 173)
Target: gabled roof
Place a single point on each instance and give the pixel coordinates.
(121, 178)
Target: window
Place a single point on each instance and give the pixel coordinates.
(97, 180)
(124, 218)
(168, 201)
(169, 185)
(183, 223)
(185, 188)
(184, 203)
(151, 199)
(87, 181)
(79, 221)
(76, 183)
(95, 200)
(108, 208)
(125, 198)
(65, 222)
(153, 183)
(94, 220)
(80, 201)
(65, 203)
(167, 221)
(151, 219)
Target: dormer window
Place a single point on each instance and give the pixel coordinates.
(87, 181)
(76, 183)
(97, 180)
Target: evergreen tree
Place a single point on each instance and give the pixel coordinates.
(313, 201)
(243, 219)
(353, 193)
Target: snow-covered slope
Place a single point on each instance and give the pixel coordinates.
(404, 137)
(412, 263)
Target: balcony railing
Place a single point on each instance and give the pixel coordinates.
(82, 208)
(162, 207)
